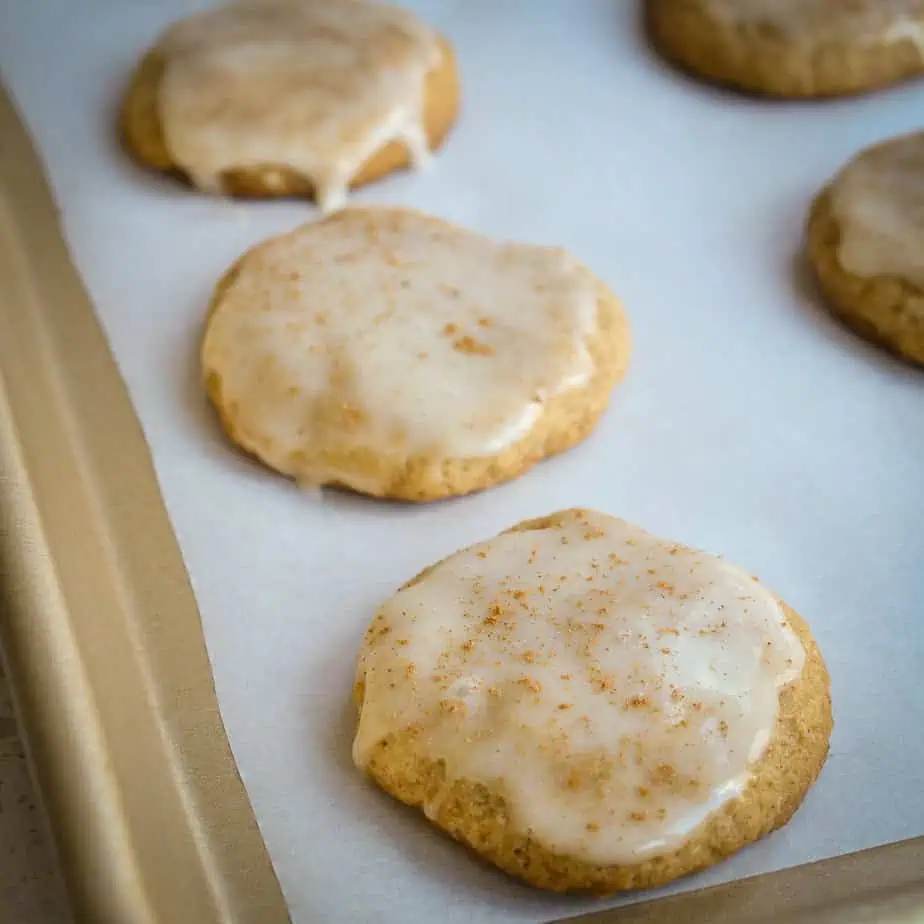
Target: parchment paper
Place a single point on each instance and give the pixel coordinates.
(750, 424)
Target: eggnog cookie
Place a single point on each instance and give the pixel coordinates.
(291, 97)
(400, 356)
(793, 48)
(866, 244)
(590, 707)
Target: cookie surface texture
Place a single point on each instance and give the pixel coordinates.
(291, 97)
(866, 244)
(590, 707)
(792, 48)
(397, 355)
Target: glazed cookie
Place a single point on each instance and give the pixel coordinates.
(291, 97)
(590, 707)
(793, 48)
(397, 355)
(866, 244)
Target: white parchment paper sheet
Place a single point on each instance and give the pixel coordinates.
(750, 424)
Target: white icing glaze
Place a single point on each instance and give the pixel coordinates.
(615, 688)
(878, 203)
(910, 29)
(809, 21)
(400, 333)
(315, 86)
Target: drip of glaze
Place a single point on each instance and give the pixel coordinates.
(313, 88)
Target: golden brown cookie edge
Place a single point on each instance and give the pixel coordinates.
(875, 308)
(567, 419)
(693, 41)
(142, 136)
(477, 817)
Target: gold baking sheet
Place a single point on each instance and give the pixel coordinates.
(100, 626)
(104, 642)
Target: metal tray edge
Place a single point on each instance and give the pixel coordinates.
(100, 626)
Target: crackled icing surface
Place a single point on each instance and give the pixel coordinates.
(315, 86)
(878, 203)
(873, 21)
(396, 332)
(614, 687)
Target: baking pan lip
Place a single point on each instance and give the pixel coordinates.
(103, 640)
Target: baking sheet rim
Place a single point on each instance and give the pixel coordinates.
(101, 629)
(51, 341)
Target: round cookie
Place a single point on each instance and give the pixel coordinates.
(397, 355)
(792, 48)
(269, 98)
(865, 243)
(590, 707)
